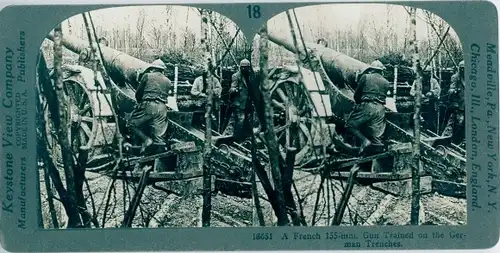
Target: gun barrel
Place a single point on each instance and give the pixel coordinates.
(121, 67)
(340, 68)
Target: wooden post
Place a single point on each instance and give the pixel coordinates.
(415, 203)
(207, 194)
(395, 84)
(270, 135)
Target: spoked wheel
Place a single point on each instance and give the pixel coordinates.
(82, 114)
(292, 114)
(83, 124)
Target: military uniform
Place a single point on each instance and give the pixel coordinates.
(199, 89)
(368, 116)
(149, 119)
(431, 91)
(456, 123)
(242, 104)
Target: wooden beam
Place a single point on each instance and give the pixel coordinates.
(364, 159)
(451, 189)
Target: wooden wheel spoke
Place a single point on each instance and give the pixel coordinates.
(302, 100)
(281, 128)
(279, 105)
(289, 93)
(71, 92)
(305, 131)
(304, 110)
(280, 135)
(86, 129)
(296, 92)
(85, 109)
(282, 95)
(83, 102)
(87, 119)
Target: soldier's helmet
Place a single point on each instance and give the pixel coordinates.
(158, 63)
(244, 63)
(461, 64)
(377, 65)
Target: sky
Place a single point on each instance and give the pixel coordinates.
(333, 16)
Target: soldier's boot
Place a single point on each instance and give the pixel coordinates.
(364, 141)
(146, 141)
(337, 143)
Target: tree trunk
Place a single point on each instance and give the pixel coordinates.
(415, 203)
(291, 138)
(45, 85)
(270, 135)
(258, 216)
(207, 201)
(62, 125)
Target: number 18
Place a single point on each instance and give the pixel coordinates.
(253, 11)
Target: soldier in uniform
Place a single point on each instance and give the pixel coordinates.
(243, 85)
(456, 123)
(200, 86)
(148, 121)
(431, 91)
(367, 121)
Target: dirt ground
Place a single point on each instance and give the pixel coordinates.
(367, 206)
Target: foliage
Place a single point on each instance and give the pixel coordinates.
(394, 58)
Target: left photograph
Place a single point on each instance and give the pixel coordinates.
(130, 100)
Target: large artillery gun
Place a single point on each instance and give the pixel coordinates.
(337, 73)
(93, 106)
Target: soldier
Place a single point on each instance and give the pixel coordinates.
(367, 121)
(243, 83)
(455, 126)
(200, 87)
(103, 41)
(149, 118)
(431, 91)
(322, 42)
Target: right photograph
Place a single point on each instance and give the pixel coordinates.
(367, 104)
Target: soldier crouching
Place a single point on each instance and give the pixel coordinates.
(148, 121)
(367, 122)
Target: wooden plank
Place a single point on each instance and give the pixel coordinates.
(159, 177)
(404, 187)
(447, 188)
(363, 160)
(153, 157)
(370, 175)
